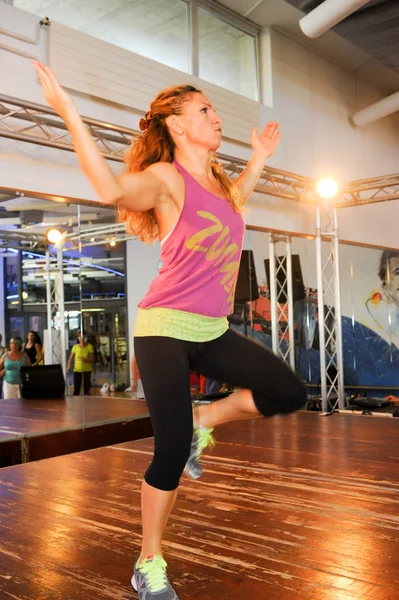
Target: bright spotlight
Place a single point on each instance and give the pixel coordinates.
(112, 243)
(53, 236)
(327, 188)
(92, 239)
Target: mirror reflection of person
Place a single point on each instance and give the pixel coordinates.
(10, 365)
(389, 274)
(34, 348)
(83, 354)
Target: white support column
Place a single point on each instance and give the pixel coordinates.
(330, 320)
(281, 300)
(61, 311)
(290, 302)
(320, 301)
(55, 338)
(48, 347)
(338, 317)
(273, 293)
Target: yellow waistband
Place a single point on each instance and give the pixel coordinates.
(178, 324)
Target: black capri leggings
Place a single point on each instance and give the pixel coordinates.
(164, 364)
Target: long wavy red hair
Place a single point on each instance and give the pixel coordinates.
(156, 144)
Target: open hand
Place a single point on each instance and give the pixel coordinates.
(54, 94)
(267, 141)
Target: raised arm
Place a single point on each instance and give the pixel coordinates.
(137, 191)
(264, 146)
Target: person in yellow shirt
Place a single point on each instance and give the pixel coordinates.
(83, 354)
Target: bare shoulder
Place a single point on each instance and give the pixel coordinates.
(167, 172)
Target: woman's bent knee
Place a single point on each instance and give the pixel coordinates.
(290, 399)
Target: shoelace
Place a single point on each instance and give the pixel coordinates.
(205, 438)
(155, 570)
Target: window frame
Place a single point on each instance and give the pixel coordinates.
(227, 16)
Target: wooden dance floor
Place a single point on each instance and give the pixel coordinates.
(289, 508)
(37, 429)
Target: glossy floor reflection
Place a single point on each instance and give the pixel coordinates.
(291, 508)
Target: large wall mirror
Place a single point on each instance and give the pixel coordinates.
(369, 305)
(93, 277)
(94, 290)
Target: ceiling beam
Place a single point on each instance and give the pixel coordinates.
(328, 14)
(378, 110)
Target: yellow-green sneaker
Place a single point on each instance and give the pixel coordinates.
(150, 580)
(202, 438)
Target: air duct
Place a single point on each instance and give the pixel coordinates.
(377, 111)
(328, 14)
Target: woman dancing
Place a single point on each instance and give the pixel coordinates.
(174, 191)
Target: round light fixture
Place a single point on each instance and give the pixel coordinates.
(53, 236)
(327, 188)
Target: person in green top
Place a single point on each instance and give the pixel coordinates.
(10, 365)
(83, 354)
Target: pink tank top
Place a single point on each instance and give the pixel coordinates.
(201, 258)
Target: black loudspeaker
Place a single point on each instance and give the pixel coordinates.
(298, 289)
(247, 285)
(44, 382)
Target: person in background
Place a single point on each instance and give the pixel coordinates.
(10, 365)
(34, 348)
(83, 354)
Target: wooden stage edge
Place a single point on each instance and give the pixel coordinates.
(289, 508)
(38, 429)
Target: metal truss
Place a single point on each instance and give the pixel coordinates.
(37, 124)
(369, 191)
(21, 240)
(56, 338)
(281, 299)
(93, 236)
(329, 318)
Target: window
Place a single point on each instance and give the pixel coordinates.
(156, 29)
(227, 55)
(193, 36)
